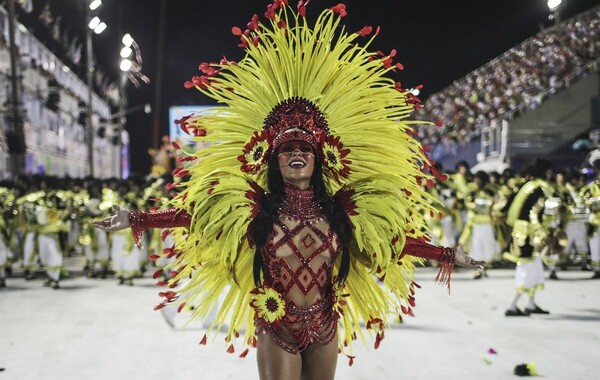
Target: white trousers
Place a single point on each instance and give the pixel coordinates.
(3, 258)
(125, 264)
(29, 257)
(50, 255)
(577, 240)
(529, 276)
(483, 243)
(595, 249)
(74, 233)
(102, 255)
(449, 231)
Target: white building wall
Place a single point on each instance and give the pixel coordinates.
(56, 143)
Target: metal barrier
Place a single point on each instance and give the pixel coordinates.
(494, 141)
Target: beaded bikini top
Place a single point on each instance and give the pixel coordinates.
(299, 261)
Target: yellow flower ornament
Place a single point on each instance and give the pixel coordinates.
(267, 304)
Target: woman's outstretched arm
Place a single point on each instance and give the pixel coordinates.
(446, 256)
(143, 220)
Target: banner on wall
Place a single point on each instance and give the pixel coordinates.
(178, 112)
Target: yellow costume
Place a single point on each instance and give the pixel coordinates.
(359, 117)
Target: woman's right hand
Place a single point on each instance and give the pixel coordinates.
(118, 221)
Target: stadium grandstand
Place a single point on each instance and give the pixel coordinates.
(531, 101)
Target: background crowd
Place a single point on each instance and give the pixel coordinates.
(45, 219)
(515, 82)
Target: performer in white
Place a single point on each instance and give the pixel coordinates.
(478, 235)
(576, 218)
(591, 196)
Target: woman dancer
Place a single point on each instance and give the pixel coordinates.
(307, 200)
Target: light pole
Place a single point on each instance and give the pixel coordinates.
(131, 68)
(97, 26)
(121, 120)
(554, 7)
(15, 135)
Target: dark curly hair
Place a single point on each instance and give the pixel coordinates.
(262, 226)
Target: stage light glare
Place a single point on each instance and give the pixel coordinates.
(554, 4)
(127, 40)
(94, 22)
(126, 52)
(125, 65)
(95, 4)
(100, 28)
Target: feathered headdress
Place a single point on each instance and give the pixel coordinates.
(317, 83)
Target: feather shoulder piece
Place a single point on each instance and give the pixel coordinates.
(383, 210)
(213, 258)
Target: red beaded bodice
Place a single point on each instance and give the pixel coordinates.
(299, 258)
(298, 262)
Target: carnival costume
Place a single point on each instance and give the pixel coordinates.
(315, 84)
(124, 254)
(7, 199)
(96, 243)
(444, 230)
(27, 206)
(591, 196)
(576, 225)
(533, 216)
(478, 236)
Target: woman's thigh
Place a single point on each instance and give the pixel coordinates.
(319, 361)
(275, 363)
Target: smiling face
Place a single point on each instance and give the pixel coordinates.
(296, 162)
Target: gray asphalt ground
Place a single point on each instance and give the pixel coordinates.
(94, 329)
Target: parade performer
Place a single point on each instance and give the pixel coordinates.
(51, 219)
(531, 235)
(576, 218)
(305, 210)
(478, 236)
(444, 230)
(124, 254)
(590, 194)
(96, 243)
(78, 198)
(27, 223)
(7, 199)
(461, 182)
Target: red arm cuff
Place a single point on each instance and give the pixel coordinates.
(444, 255)
(143, 220)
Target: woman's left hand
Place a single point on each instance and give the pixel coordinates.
(464, 260)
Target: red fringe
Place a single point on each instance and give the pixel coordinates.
(445, 274)
(351, 360)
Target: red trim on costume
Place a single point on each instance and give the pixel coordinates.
(303, 273)
(142, 220)
(444, 255)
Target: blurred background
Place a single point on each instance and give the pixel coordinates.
(102, 81)
(89, 94)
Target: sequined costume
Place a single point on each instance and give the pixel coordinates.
(299, 261)
(341, 99)
(478, 236)
(591, 196)
(531, 234)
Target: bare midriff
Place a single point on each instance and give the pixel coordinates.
(299, 258)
